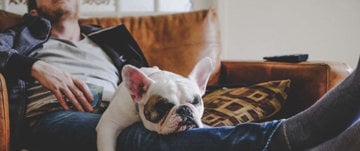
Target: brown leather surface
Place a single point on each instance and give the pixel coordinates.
(309, 80)
(8, 19)
(4, 117)
(174, 42)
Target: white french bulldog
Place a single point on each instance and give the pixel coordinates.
(164, 101)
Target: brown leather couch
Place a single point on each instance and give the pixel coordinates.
(176, 42)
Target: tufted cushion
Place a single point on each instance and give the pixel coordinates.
(227, 107)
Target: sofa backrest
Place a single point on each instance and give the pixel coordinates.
(173, 42)
(8, 19)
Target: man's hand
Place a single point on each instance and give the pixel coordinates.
(63, 85)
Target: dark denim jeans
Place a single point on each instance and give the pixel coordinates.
(75, 131)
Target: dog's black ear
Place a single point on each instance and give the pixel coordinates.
(201, 73)
(136, 82)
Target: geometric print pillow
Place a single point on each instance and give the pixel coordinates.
(226, 107)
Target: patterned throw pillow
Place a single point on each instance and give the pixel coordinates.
(227, 107)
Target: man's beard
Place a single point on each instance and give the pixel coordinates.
(57, 15)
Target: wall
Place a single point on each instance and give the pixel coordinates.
(325, 29)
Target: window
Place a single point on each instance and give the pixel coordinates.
(1, 4)
(113, 7)
(132, 7)
(174, 5)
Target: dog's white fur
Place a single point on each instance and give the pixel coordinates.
(138, 86)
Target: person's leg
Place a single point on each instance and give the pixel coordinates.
(247, 137)
(347, 140)
(328, 117)
(75, 131)
(65, 131)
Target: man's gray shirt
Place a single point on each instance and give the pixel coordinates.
(84, 59)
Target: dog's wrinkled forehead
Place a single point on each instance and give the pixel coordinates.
(171, 85)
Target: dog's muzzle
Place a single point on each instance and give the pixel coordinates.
(186, 114)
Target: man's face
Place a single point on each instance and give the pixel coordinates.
(58, 9)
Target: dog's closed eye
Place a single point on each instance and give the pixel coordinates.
(157, 108)
(163, 106)
(196, 100)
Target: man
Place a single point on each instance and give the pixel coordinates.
(48, 50)
(34, 61)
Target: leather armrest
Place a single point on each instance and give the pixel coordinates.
(4, 117)
(309, 80)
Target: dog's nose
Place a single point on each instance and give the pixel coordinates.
(184, 111)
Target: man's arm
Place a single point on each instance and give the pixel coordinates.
(15, 65)
(60, 83)
(14, 43)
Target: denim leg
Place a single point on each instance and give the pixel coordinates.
(65, 131)
(247, 137)
(75, 131)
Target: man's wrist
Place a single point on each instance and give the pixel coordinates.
(36, 68)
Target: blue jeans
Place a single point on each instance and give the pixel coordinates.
(75, 131)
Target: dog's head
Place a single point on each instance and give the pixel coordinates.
(168, 102)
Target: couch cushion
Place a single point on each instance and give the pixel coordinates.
(232, 106)
(174, 42)
(309, 80)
